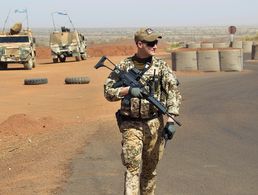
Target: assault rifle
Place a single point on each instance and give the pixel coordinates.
(132, 79)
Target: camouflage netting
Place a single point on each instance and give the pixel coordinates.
(16, 28)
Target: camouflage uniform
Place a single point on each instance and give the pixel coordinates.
(142, 125)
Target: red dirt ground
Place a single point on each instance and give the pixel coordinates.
(43, 126)
(109, 49)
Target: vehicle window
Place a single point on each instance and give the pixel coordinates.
(21, 39)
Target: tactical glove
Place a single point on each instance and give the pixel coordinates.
(135, 92)
(169, 130)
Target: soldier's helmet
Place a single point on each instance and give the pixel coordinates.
(16, 28)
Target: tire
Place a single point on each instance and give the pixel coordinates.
(35, 81)
(3, 66)
(34, 63)
(28, 65)
(55, 60)
(77, 58)
(83, 56)
(62, 59)
(77, 80)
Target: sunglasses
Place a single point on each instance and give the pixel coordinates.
(151, 44)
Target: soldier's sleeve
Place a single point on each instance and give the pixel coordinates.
(111, 93)
(170, 85)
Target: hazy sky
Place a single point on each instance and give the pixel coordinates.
(133, 13)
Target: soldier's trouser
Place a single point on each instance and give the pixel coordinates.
(142, 144)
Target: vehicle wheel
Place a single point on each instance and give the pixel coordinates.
(28, 65)
(34, 63)
(3, 66)
(62, 59)
(35, 81)
(77, 80)
(55, 60)
(77, 58)
(83, 56)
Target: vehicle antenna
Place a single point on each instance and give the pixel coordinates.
(71, 21)
(6, 20)
(52, 15)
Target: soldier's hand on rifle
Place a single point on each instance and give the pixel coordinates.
(169, 130)
(124, 91)
(136, 92)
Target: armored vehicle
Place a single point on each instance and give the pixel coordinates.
(67, 44)
(17, 46)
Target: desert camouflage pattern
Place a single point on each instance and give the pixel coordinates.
(142, 140)
(63, 38)
(142, 143)
(17, 48)
(68, 44)
(166, 91)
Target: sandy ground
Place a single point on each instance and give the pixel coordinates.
(42, 127)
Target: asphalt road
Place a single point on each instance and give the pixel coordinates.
(214, 152)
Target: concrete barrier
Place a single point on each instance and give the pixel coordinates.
(206, 45)
(184, 60)
(208, 60)
(255, 52)
(247, 50)
(237, 44)
(224, 59)
(247, 46)
(220, 45)
(231, 60)
(193, 45)
(166, 58)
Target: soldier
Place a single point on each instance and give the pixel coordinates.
(141, 124)
(16, 28)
